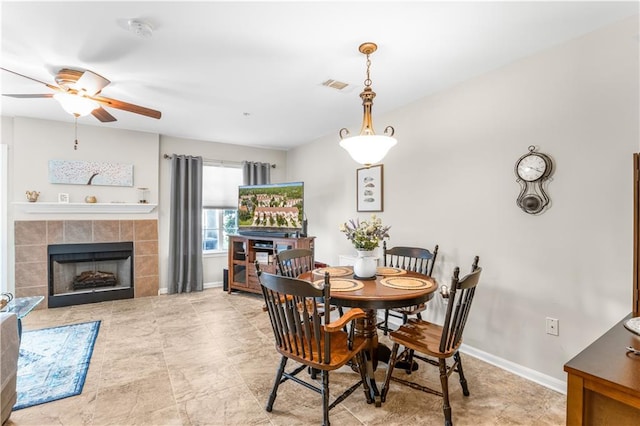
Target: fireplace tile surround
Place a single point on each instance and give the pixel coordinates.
(33, 236)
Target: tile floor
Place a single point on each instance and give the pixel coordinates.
(208, 359)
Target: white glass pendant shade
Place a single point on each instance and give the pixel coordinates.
(75, 104)
(368, 149)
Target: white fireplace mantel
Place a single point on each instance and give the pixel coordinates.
(41, 207)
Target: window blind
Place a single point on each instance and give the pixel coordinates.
(220, 186)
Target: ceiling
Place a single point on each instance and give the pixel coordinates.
(251, 73)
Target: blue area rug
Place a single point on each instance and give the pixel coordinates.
(53, 362)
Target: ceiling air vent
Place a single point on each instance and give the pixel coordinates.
(335, 84)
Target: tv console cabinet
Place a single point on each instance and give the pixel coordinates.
(244, 250)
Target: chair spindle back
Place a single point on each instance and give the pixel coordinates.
(295, 316)
(410, 258)
(293, 262)
(460, 298)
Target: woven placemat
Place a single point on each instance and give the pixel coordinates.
(334, 271)
(341, 284)
(406, 283)
(388, 271)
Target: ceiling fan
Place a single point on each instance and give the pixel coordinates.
(78, 93)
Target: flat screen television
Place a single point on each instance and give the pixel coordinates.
(275, 209)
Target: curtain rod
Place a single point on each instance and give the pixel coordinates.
(207, 160)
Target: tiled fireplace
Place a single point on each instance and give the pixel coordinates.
(90, 272)
(34, 239)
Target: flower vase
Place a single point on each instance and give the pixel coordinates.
(366, 265)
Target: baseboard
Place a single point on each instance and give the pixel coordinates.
(215, 284)
(517, 369)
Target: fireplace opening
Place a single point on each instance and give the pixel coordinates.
(89, 273)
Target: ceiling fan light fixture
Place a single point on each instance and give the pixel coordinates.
(76, 105)
(367, 148)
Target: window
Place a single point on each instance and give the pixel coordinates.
(217, 224)
(219, 198)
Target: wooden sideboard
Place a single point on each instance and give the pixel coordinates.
(243, 251)
(603, 382)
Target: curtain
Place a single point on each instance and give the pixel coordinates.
(185, 239)
(254, 173)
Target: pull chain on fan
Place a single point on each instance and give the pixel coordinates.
(75, 145)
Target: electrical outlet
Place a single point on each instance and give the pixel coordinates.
(552, 326)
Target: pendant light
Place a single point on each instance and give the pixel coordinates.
(367, 148)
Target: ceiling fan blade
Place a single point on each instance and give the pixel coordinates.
(137, 109)
(50, 86)
(91, 83)
(41, 95)
(103, 115)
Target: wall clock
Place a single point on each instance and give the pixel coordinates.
(532, 170)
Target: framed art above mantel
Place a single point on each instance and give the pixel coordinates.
(370, 189)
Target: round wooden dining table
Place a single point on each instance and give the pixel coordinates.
(371, 295)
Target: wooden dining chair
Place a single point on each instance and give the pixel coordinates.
(440, 342)
(302, 336)
(293, 262)
(413, 259)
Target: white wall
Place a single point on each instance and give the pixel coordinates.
(213, 264)
(38, 141)
(6, 239)
(4, 174)
(450, 181)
